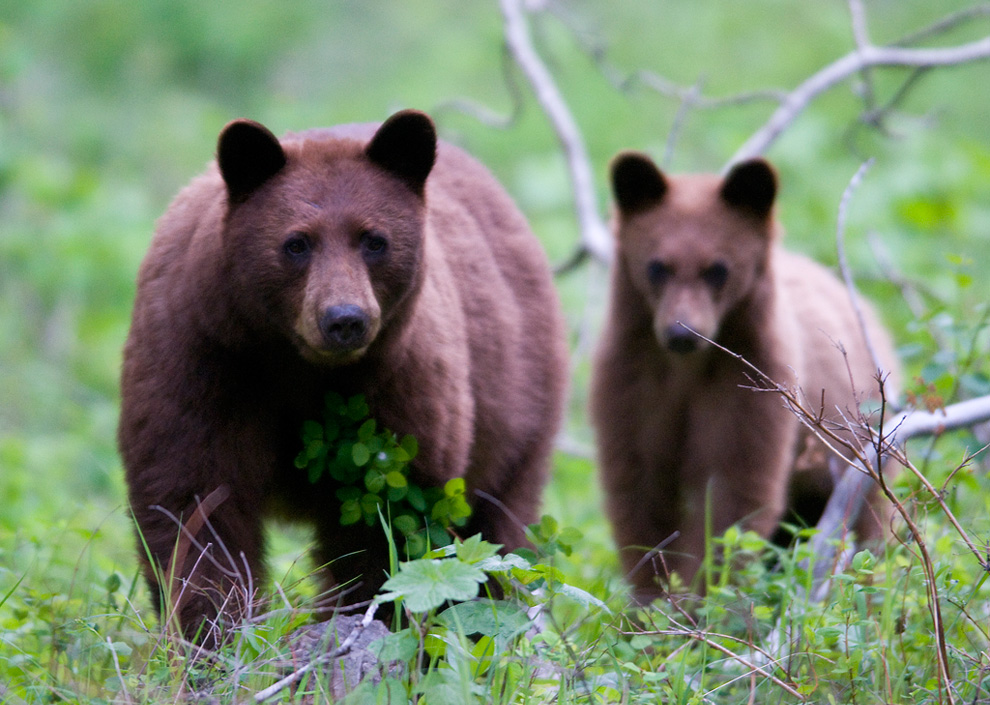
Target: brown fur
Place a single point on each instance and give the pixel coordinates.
(458, 341)
(677, 427)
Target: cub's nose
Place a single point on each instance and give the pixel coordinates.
(680, 339)
(345, 327)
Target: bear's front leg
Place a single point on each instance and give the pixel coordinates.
(742, 479)
(641, 501)
(203, 561)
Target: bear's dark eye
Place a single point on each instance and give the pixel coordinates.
(716, 275)
(374, 245)
(658, 272)
(296, 246)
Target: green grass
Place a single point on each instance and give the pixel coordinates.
(108, 107)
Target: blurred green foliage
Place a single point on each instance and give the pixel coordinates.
(108, 107)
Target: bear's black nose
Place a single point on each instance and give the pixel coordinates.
(681, 339)
(345, 327)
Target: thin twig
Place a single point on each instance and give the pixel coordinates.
(857, 15)
(874, 116)
(116, 668)
(575, 260)
(345, 646)
(669, 89)
(945, 24)
(482, 113)
(756, 668)
(687, 104)
(840, 245)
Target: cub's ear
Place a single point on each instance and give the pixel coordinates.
(637, 183)
(248, 155)
(752, 186)
(406, 146)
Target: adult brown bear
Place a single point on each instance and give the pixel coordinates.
(682, 436)
(359, 259)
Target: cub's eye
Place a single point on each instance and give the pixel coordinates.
(296, 246)
(716, 275)
(374, 244)
(658, 272)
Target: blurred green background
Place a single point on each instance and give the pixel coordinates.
(107, 107)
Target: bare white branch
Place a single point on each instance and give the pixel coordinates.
(595, 237)
(849, 495)
(911, 424)
(857, 60)
(840, 245)
(345, 646)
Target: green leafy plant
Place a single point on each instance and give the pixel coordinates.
(371, 465)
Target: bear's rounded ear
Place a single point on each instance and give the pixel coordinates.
(248, 155)
(406, 146)
(752, 186)
(637, 183)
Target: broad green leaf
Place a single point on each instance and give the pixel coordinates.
(400, 646)
(314, 447)
(415, 544)
(502, 564)
(396, 479)
(370, 503)
(312, 431)
(445, 551)
(360, 454)
(410, 445)
(302, 460)
(120, 648)
(350, 512)
(374, 481)
(454, 487)
(581, 596)
(397, 494)
(473, 549)
(488, 617)
(314, 472)
(405, 524)
(416, 499)
(428, 584)
(366, 431)
(112, 583)
(357, 408)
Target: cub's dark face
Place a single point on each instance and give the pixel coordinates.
(692, 246)
(324, 239)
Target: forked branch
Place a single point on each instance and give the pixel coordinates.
(595, 240)
(862, 58)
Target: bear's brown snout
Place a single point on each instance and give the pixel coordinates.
(345, 327)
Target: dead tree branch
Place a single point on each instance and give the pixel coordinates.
(345, 647)
(848, 497)
(595, 240)
(595, 237)
(856, 61)
(482, 113)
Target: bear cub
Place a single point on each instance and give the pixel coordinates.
(362, 259)
(681, 433)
